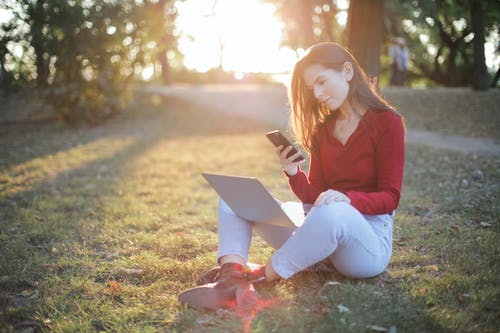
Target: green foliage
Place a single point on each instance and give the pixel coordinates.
(447, 56)
(90, 102)
(87, 54)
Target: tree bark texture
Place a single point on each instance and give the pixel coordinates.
(480, 80)
(365, 28)
(305, 14)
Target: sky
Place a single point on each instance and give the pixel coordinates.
(242, 34)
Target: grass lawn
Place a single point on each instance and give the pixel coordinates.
(102, 227)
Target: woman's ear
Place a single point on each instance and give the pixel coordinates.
(348, 71)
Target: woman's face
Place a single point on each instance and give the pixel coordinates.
(330, 87)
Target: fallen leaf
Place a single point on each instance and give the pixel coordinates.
(343, 308)
(320, 311)
(401, 241)
(29, 294)
(133, 270)
(376, 328)
(205, 319)
(422, 249)
(114, 287)
(454, 227)
(434, 268)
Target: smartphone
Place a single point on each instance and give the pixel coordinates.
(278, 139)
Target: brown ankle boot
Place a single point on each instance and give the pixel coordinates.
(230, 290)
(254, 273)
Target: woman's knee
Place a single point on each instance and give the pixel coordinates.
(333, 214)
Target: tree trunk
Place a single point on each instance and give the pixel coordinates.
(480, 80)
(365, 29)
(42, 68)
(3, 71)
(165, 67)
(305, 12)
(326, 22)
(38, 17)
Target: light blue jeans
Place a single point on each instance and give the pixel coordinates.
(359, 246)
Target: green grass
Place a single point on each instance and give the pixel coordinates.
(449, 111)
(103, 227)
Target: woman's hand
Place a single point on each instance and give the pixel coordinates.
(287, 164)
(331, 196)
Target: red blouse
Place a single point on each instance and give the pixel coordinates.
(368, 168)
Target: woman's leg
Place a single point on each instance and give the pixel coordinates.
(337, 231)
(235, 235)
(350, 263)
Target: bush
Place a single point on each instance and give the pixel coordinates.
(89, 102)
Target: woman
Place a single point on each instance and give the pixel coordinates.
(356, 146)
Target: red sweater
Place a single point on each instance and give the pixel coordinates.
(368, 168)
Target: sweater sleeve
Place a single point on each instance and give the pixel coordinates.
(306, 188)
(389, 159)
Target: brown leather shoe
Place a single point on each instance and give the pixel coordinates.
(254, 273)
(230, 290)
(209, 277)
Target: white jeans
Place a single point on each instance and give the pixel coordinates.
(359, 246)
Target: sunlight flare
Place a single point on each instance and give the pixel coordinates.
(235, 35)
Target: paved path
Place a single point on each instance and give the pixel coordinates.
(270, 103)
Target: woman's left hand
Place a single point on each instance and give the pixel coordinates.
(331, 196)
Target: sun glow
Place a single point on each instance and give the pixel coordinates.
(237, 35)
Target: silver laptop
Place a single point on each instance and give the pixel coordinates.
(251, 201)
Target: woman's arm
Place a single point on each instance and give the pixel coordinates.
(306, 188)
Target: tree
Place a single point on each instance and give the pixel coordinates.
(308, 22)
(441, 36)
(88, 53)
(32, 15)
(153, 29)
(364, 33)
(297, 16)
(480, 79)
(7, 35)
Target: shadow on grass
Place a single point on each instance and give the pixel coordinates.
(59, 220)
(148, 115)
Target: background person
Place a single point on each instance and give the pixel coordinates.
(400, 57)
(356, 144)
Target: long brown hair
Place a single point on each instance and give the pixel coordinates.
(307, 113)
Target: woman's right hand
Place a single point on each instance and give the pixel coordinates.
(287, 164)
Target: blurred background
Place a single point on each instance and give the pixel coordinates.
(82, 59)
